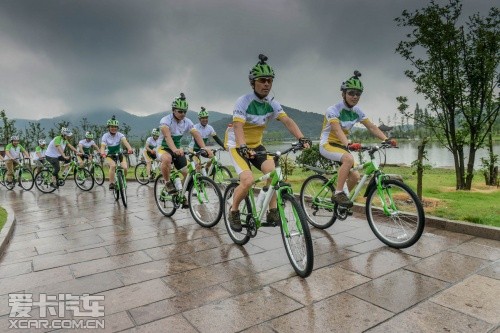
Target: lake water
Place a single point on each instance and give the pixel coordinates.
(437, 155)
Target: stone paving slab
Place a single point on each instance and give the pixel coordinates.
(169, 274)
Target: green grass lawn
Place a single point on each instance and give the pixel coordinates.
(3, 217)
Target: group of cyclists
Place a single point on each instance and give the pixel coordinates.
(243, 139)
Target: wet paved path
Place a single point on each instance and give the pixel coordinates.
(169, 274)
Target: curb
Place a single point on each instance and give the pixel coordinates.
(462, 227)
(7, 230)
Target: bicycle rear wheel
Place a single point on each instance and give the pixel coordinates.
(205, 202)
(122, 187)
(164, 201)
(141, 173)
(26, 179)
(43, 179)
(403, 223)
(83, 179)
(316, 201)
(98, 174)
(296, 236)
(9, 185)
(243, 236)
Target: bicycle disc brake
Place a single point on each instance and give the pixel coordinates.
(251, 227)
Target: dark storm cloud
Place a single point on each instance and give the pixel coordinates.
(66, 56)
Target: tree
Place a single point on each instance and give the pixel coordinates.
(457, 73)
(32, 134)
(7, 129)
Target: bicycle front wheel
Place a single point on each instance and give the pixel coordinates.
(122, 187)
(26, 179)
(395, 214)
(241, 237)
(164, 201)
(98, 174)
(296, 236)
(83, 179)
(316, 201)
(141, 173)
(205, 202)
(43, 179)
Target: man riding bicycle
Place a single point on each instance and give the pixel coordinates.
(55, 153)
(13, 152)
(206, 132)
(112, 140)
(149, 151)
(334, 144)
(250, 117)
(85, 146)
(39, 158)
(172, 128)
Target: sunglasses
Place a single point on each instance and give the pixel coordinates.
(354, 93)
(265, 80)
(181, 111)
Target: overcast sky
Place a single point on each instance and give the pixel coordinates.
(59, 57)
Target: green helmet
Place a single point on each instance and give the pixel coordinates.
(89, 135)
(155, 132)
(203, 113)
(353, 82)
(112, 122)
(261, 69)
(180, 103)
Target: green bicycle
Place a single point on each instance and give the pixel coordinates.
(204, 198)
(23, 176)
(120, 190)
(93, 164)
(294, 228)
(82, 177)
(393, 210)
(141, 172)
(219, 173)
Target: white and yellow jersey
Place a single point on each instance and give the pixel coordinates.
(343, 115)
(254, 113)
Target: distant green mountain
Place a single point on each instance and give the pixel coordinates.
(141, 126)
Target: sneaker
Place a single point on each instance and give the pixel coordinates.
(112, 186)
(170, 188)
(273, 216)
(342, 199)
(234, 221)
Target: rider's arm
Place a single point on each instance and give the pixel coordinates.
(168, 137)
(291, 126)
(127, 145)
(374, 129)
(219, 141)
(239, 135)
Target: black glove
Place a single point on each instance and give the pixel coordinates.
(305, 140)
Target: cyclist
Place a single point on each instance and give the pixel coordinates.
(334, 144)
(206, 131)
(112, 140)
(39, 158)
(13, 152)
(149, 151)
(172, 128)
(85, 146)
(250, 117)
(55, 153)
